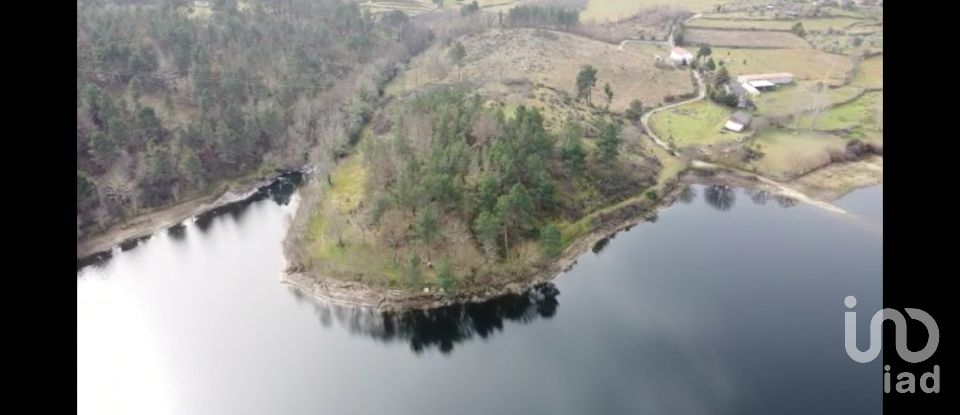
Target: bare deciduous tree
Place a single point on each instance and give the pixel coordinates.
(485, 127)
(393, 230)
(381, 162)
(119, 190)
(436, 67)
(419, 130)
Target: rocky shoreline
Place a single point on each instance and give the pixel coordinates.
(145, 225)
(347, 293)
(353, 294)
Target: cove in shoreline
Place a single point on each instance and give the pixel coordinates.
(129, 234)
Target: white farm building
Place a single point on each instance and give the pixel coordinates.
(680, 55)
(766, 79)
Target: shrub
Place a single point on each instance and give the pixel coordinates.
(635, 110)
(446, 277)
(550, 240)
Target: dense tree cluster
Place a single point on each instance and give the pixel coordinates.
(449, 156)
(171, 102)
(635, 111)
(544, 17)
(718, 91)
(469, 9)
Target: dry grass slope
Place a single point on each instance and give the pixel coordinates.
(551, 59)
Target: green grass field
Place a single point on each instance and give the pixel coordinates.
(862, 112)
(832, 12)
(789, 154)
(792, 99)
(332, 219)
(603, 10)
(744, 38)
(865, 28)
(870, 74)
(412, 7)
(696, 123)
(805, 64)
(809, 25)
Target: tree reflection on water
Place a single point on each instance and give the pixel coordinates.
(444, 327)
(719, 196)
(723, 197)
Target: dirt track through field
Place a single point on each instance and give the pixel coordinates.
(781, 188)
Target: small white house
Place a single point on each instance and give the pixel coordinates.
(680, 55)
(738, 121)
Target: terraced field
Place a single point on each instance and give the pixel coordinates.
(610, 10)
(870, 74)
(810, 25)
(744, 38)
(411, 7)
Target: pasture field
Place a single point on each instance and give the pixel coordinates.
(870, 74)
(789, 154)
(696, 123)
(744, 38)
(611, 10)
(805, 64)
(862, 114)
(810, 25)
(800, 97)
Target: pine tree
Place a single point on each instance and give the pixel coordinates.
(608, 144)
(586, 80)
(571, 150)
(609, 93)
(550, 240)
(446, 276)
(427, 227)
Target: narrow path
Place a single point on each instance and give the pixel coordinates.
(644, 120)
(668, 42)
(652, 42)
(781, 188)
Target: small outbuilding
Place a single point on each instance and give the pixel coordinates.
(738, 121)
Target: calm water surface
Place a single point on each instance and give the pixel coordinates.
(730, 303)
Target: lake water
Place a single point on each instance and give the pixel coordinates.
(730, 303)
